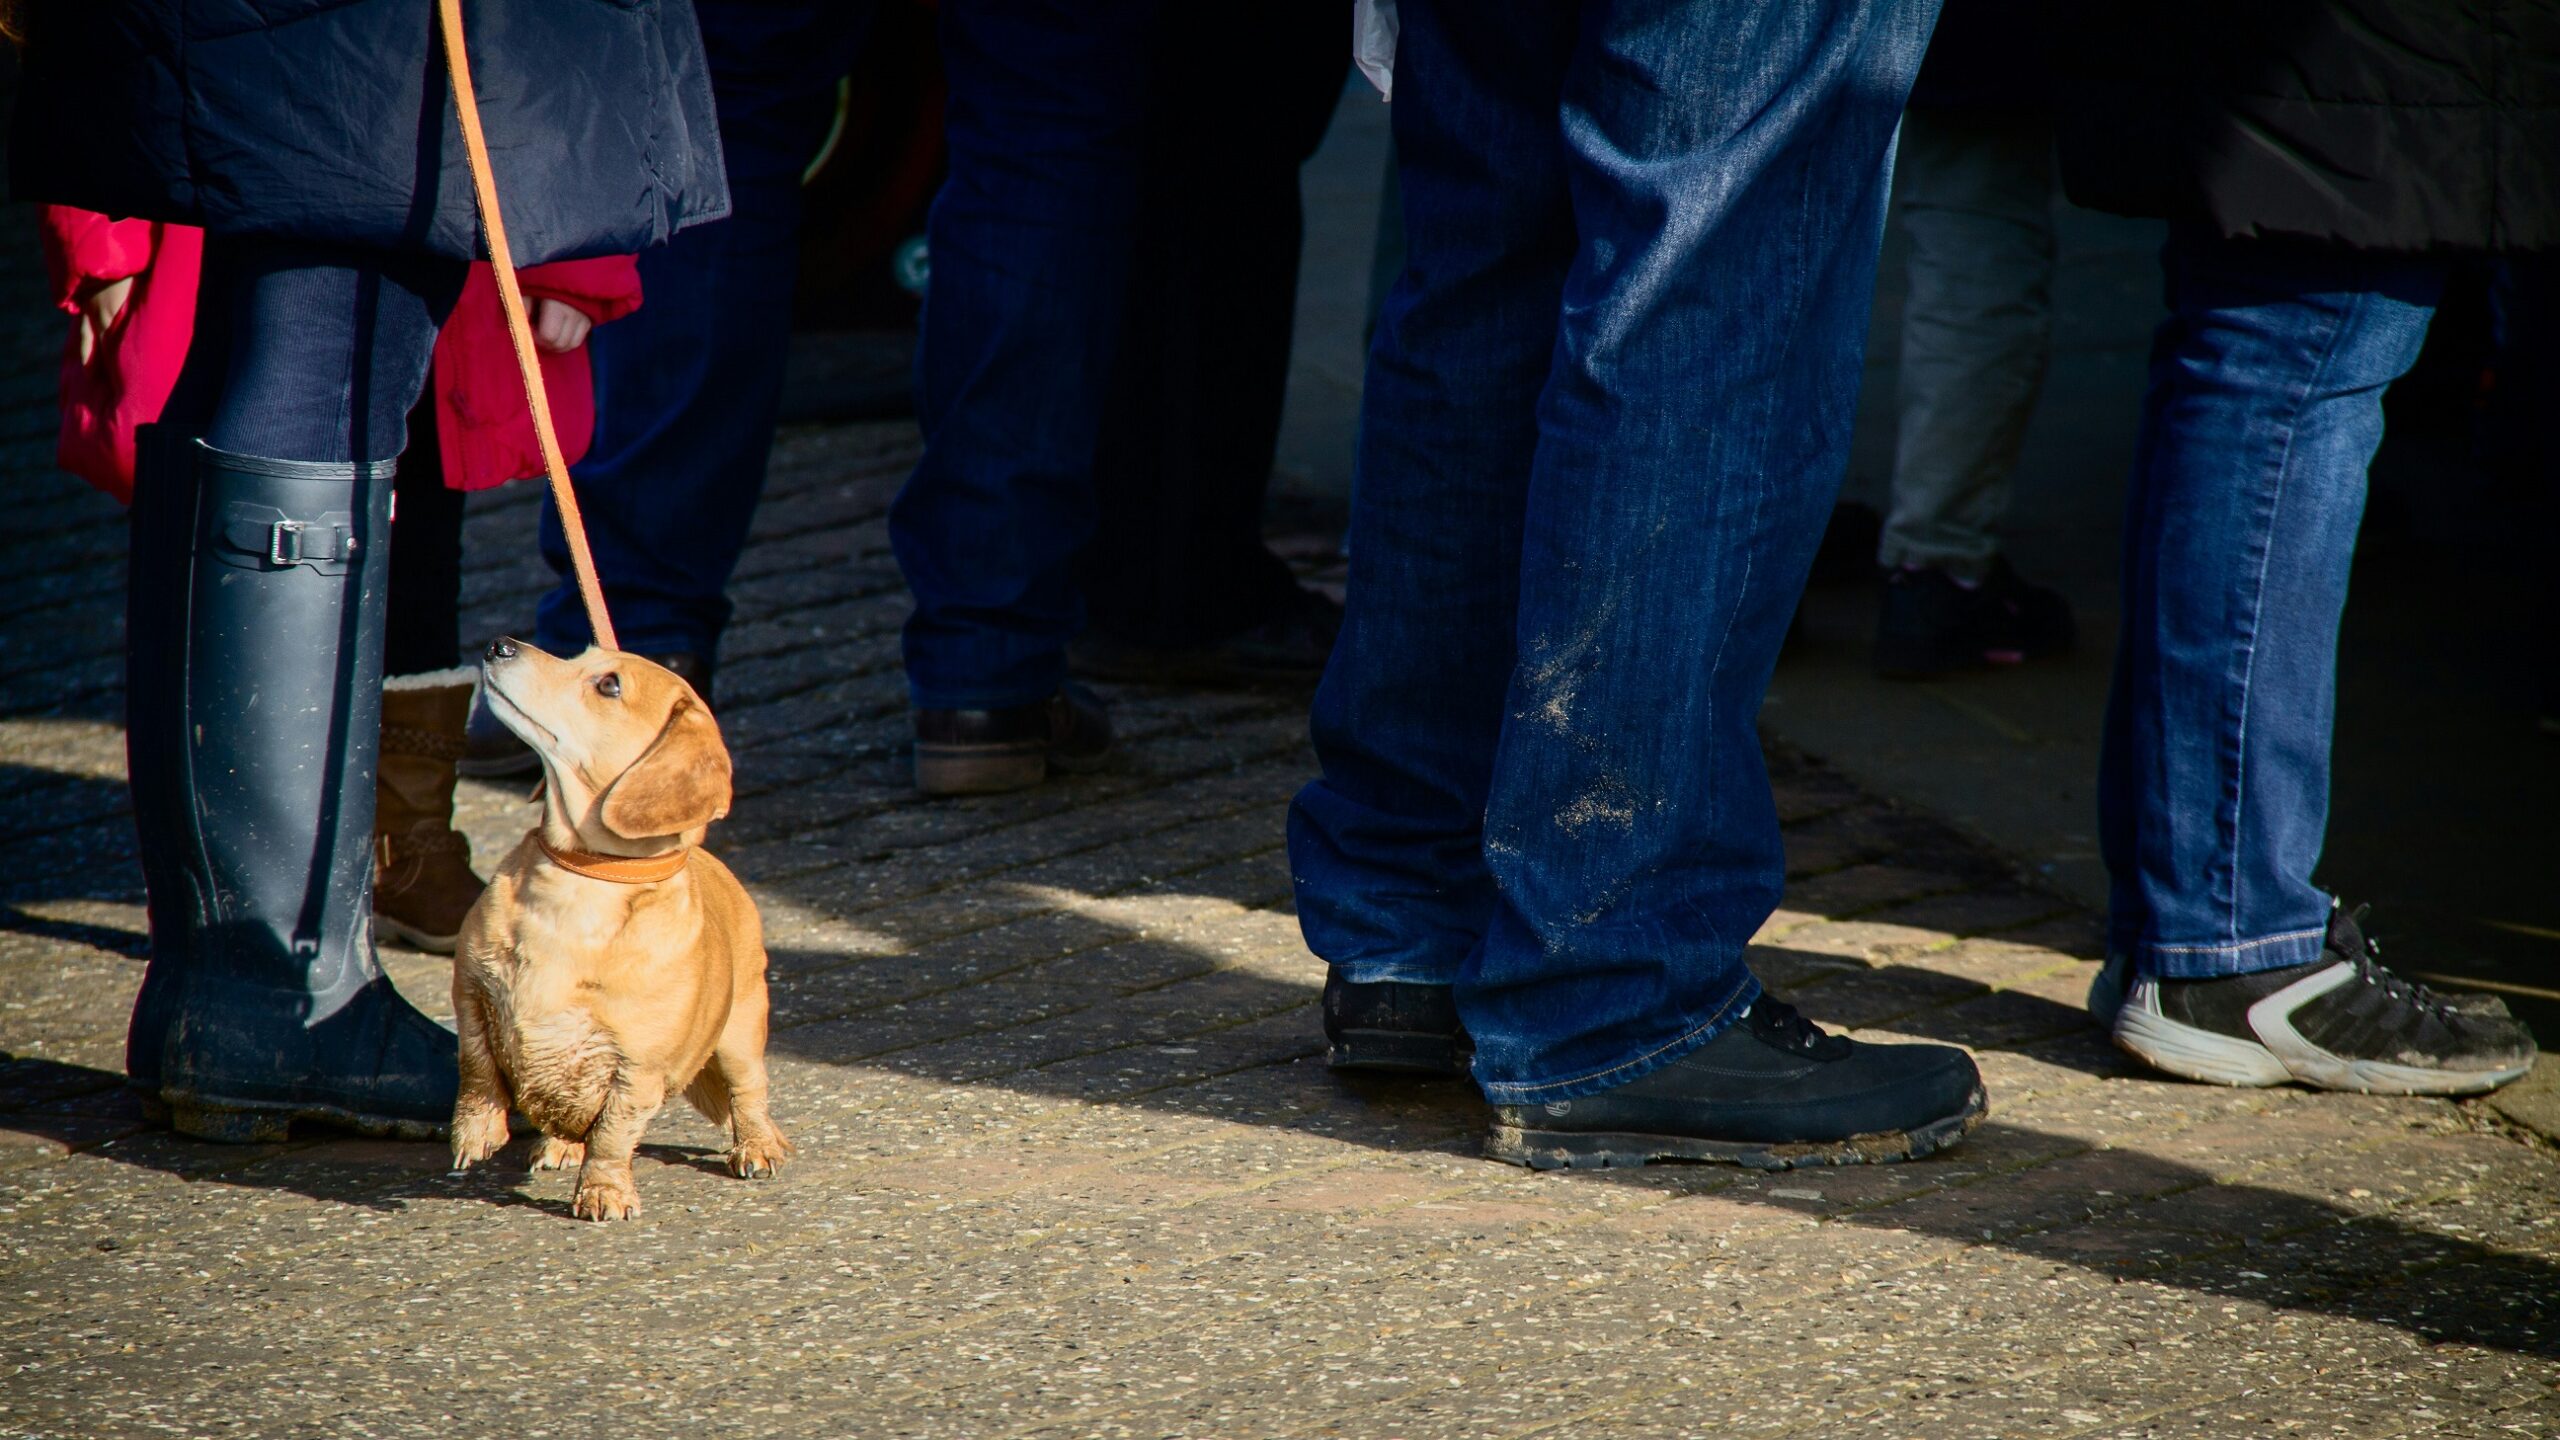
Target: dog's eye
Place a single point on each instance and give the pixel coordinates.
(609, 686)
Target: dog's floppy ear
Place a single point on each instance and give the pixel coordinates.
(680, 783)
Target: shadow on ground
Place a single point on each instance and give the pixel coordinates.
(2116, 1212)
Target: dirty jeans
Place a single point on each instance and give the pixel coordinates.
(1975, 192)
(2264, 409)
(1606, 414)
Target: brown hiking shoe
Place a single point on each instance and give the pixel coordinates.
(423, 883)
(987, 752)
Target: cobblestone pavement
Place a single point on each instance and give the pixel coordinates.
(1070, 1164)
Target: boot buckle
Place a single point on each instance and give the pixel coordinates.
(262, 537)
(286, 546)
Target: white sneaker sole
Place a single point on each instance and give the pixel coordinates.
(2280, 1054)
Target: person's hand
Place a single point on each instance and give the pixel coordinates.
(98, 311)
(559, 327)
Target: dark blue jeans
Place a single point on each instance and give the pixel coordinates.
(1606, 414)
(306, 351)
(688, 385)
(1031, 241)
(2264, 409)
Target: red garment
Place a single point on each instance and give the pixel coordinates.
(480, 407)
(480, 412)
(127, 379)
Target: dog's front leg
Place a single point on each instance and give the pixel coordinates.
(480, 1109)
(604, 1185)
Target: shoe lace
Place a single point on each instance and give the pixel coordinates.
(2370, 969)
(1784, 1024)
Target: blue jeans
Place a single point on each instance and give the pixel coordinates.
(1606, 414)
(2264, 408)
(309, 351)
(688, 386)
(1031, 239)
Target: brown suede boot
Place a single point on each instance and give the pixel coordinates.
(422, 878)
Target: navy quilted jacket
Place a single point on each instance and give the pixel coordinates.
(331, 120)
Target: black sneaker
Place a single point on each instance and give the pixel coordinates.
(1930, 625)
(1392, 1028)
(2107, 988)
(2341, 1022)
(1772, 1092)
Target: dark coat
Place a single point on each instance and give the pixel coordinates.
(2387, 125)
(1988, 55)
(332, 120)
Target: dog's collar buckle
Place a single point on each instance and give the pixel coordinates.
(619, 869)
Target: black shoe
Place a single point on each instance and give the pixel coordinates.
(987, 752)
(491, 751)
(2341, 1022)
(1930, 625)
(1393, 1028)
(1772, 1091)
(2114, 980)
(1290, 648)
(253, 791)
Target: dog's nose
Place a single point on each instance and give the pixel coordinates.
(502, 648)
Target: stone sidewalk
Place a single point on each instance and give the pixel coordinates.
(1071, 1166)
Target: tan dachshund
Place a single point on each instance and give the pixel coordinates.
(612, 960)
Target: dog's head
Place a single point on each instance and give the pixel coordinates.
(630, 754)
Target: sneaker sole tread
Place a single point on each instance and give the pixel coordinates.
(1604, 1149)
(2193, 1053)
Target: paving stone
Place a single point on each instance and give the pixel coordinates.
(1070, 1163)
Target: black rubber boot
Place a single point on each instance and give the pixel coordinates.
(164, 501)
(258, 657)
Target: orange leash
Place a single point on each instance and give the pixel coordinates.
(484, 185)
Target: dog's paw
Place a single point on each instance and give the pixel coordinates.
(477, 1135)
(605, 1200)
(759, 1157)
(555, 1153)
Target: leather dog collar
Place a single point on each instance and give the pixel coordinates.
(620, 869)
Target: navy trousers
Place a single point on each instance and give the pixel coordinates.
(688, 386)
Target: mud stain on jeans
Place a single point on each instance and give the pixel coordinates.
(1607, 802)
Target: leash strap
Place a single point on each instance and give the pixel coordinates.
(484, 186)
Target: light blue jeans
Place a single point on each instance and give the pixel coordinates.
(1606, 414)
(2264, 410)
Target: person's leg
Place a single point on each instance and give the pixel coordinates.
(1729, 168)
(1031, 240)
(1975, 192)
(262, 655)
(687, 387)
(1544, 783)
(1387, 845)
(423, 628)
(2264, 411)
(1193, 418)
